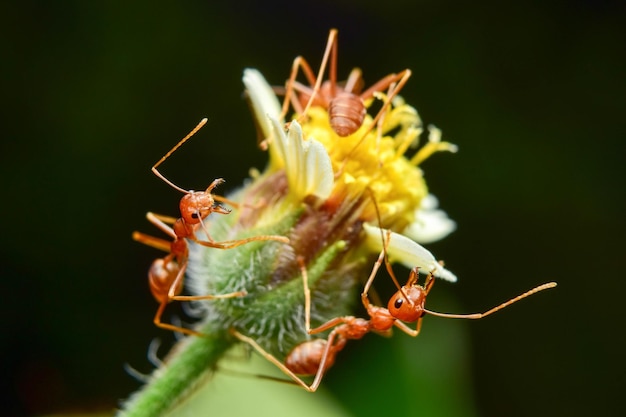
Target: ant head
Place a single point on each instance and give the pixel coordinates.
(407, 304)
(195, 206)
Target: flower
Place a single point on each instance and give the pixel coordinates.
(335, 198)
(312, 154)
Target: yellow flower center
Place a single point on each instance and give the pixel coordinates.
(375, 158)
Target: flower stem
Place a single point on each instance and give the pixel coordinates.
(193, 360)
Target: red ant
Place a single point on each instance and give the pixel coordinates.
(195, 206)
(166, 274)
(315, 356)
(345, 104)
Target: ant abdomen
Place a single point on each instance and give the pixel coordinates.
(305, 358)
(347, 113)
(161, 275)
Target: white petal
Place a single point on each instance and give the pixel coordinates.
(407, 252)
(264, 101)
(307, 164)
(431, 224)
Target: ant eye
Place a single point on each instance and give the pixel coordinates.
(195, 215)
(423, 314)
(398, 303)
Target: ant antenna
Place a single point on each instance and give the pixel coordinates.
(167, 155)
(476, 316)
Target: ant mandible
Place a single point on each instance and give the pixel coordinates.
(345, 104)
(315, 356)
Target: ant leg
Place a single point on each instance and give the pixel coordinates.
(271, 358)
(331, 48)
(307, 305)
(230, 244)
(166, 299)
(292, 85)
(177, 285)
(354, 81)
(174, 288)
(157, 321)
(400, 78)
(406, 329)
(152, 241)
(235, 294)
(299, 62)
(381, 258)
(307, 294)
(162, 222)
(158, 219)
(328, 357)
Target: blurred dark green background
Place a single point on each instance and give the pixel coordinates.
(532, 92)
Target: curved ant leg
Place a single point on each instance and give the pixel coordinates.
(230, 244)
(406, 329)
(354, 82)
(161, 219)
(293, 86)
(331, 50)
(271, 358)
(157, 321)
(307, 305)
(174, 288)
(328, 358)
(153, 242)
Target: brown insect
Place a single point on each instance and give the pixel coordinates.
(315, 356)
(166, 274)
(345, 103)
